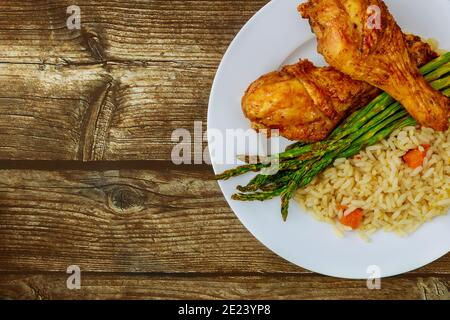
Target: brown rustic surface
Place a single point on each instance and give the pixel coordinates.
(80, 111)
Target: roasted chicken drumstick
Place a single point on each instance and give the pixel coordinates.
(352, 41)
(306, 103)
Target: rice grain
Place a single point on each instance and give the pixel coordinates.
(394, 197)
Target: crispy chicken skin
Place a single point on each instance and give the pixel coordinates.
(375, 55)
(305, 102)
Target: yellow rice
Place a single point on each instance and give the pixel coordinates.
(394, 197)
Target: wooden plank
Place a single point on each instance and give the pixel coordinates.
(191, 31)
(164, 219)
(117, 88)
(97, 113)
(46, 112)
(138, 286)
(151, 103)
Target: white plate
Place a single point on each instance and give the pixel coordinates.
(277, 35)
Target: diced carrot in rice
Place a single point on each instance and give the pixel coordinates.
(353, 220)
(414, 158)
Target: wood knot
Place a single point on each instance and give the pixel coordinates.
(124, 199)
(94, 45)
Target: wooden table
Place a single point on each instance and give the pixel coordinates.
(86, 118)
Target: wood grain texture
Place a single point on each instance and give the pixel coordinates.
(143, 69)
(191, 31)
(113, 91)
(46, 112)
(88, 114)
(165, 219)
(104, 286)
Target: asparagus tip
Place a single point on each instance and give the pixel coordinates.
(284, 208)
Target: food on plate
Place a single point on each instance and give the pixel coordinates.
(374, 53)
(305, 102)
(378, 182)
(302, 162)
(384, 166)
